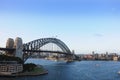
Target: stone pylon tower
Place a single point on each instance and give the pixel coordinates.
(18, 45)
(10, 44)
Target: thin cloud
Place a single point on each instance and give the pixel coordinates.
(98, 35)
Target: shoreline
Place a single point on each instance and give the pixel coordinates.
(22, 74)
(25, 74)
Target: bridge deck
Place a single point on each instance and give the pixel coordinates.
(47, 51)
(7, 49)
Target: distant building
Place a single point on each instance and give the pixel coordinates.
(115, 58)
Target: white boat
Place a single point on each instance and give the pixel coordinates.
(118, 72)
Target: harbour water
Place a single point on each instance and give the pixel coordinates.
(83, 70)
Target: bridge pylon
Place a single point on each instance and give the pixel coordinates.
(10, 44)
(17, 45)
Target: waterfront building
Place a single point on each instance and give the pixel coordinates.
(10, 67)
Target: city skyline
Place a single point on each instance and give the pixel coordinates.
(83, 25)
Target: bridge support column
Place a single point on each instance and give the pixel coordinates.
(18, 44)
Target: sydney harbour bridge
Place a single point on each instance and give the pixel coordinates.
(50, 48)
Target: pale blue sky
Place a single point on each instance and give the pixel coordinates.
(84, 25)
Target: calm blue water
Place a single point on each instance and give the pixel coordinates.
(83, 70)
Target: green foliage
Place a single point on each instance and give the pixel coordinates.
(29, 67)
(11, 58)
(38, 69)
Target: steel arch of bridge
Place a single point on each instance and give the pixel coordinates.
(37, 44)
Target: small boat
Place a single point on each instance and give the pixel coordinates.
(97, 65)
(118, 72)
